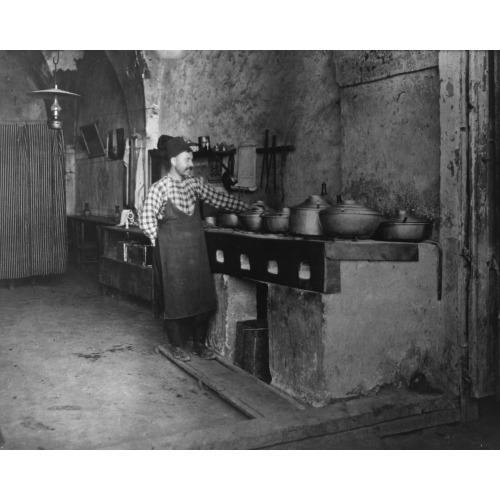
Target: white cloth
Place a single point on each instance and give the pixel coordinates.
(140, 176)
(246, 167)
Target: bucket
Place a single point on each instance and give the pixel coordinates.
(252, 348)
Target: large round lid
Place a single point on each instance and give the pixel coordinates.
(252, 213)
(403, 218)
(350, 207)
(314, 202)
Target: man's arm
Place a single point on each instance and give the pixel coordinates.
(147, 218)
(219, 199)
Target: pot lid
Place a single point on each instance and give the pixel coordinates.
(350, 207)
(252, 213)
(404, 218)
(314, 202)
(276, 215)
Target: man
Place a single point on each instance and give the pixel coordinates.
(170, 217)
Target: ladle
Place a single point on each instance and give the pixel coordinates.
(228, 180)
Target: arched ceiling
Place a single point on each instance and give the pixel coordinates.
(129, 65)
(139, 73)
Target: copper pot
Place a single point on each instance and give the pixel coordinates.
(251, 220)
(227, 219)
(348, 219)
(304, 218)
(276, 222)
(404, 228)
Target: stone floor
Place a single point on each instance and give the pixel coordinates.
(81, 371)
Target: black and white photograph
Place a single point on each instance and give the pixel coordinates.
(254, 254)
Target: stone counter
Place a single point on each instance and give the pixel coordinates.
(380, 328)
(307, 263)
(384, 327)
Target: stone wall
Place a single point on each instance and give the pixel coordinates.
(99, 181)
(233, 96)
(390, 129)
(15, 81)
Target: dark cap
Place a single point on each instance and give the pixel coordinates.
(172, 146)
(162, 141)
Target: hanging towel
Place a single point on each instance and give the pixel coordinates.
(246, 167)
(140, 177)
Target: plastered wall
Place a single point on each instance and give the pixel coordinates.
(233, 96)
(99, 181)
(390, 130)
(15, 105)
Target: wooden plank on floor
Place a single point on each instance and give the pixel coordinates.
(237, 387)
(356, 416)
(370, 437)
(415, 422)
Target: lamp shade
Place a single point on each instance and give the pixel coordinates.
(55, 92)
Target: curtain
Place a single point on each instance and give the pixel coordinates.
(32, 201)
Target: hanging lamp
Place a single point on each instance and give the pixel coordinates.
(54, 122)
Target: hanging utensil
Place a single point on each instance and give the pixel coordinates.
(274, 163)
(323, 191)
(264, 158)
(270, 162)
(283, 163)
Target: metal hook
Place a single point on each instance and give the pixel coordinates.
(54, 60)
(55, 69)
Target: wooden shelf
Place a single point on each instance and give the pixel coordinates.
(127, 277)
(213, 154)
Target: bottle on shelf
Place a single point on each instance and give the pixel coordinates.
(117, 215)
(86, 210)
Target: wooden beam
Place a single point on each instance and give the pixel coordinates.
(454, 226)
(483, 294)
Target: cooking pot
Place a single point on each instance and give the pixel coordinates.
(348, 219)
(276, 222)
(404, 228)
(304, 218)
(260, 206)
(227, 219)
(251, 220)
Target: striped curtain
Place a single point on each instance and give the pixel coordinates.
(32, 201)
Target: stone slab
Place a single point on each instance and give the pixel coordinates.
(384, 327)
(298, 262)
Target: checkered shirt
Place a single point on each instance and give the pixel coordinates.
(184, 194)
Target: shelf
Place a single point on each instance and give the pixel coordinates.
(126, 262)
(213, 154)
(275, 149)
(129, 278)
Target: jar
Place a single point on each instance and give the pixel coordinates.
(86, 210)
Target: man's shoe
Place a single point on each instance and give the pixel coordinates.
(203, 352)
(179, 354)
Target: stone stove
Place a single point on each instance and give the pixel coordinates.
(345, 318)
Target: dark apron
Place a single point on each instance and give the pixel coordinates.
(183, 282)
